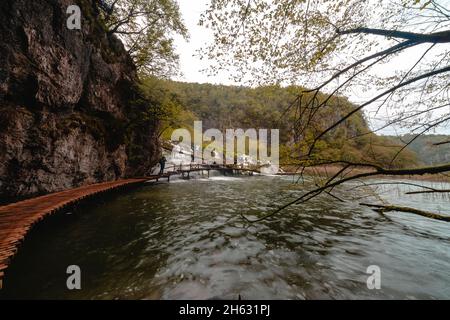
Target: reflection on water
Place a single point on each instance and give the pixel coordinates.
(187, 240)
(397, 194)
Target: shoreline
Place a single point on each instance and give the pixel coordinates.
(330, 170)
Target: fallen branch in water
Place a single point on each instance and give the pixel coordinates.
(441, 143)
(363, 184)
(332, 183)
(428, 189)
(382, 209)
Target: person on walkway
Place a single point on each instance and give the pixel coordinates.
(162, 164)
(213, 155)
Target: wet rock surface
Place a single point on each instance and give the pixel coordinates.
(66, 102)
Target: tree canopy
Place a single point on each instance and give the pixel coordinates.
(342, 48)
(146, 28)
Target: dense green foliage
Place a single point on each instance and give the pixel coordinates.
(231, 107)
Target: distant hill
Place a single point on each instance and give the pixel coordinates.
(230, 107)
(425, 148)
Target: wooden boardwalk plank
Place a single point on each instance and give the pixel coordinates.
(17, 218)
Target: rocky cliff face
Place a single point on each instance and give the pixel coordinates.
(68, 114)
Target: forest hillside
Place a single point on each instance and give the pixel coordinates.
(269, 107)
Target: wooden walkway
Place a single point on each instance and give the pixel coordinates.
(18, 218)
(194, 167)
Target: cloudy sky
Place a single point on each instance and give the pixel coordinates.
(191, 65)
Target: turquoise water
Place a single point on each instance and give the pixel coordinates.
(187, 240)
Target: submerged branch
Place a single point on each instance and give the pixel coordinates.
(382, 209)
(441, 143)
(378, 171)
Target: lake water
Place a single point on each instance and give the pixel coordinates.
(186, 240)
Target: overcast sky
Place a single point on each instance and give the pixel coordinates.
(191, 65)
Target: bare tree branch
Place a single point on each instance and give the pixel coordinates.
(437, 37)
(382, 209)
(410, 81)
